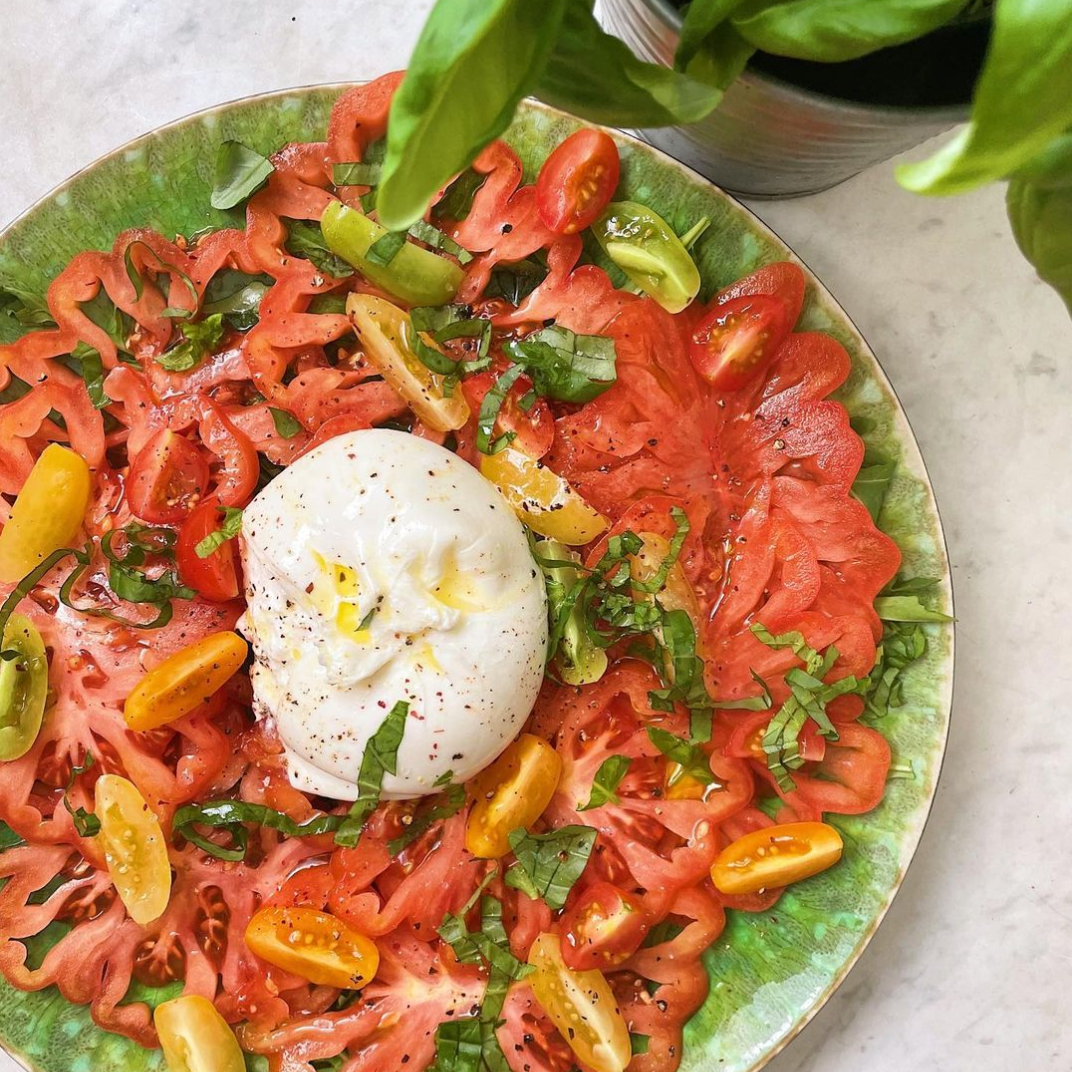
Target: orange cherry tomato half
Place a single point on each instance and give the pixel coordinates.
(168, 478)
(216, 576)
(775, 856)
(577, 181)
(603, 928)
(736, 341)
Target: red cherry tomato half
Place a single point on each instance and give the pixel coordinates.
(577, 180)
(735, 341)
(604, 927)
(746, 739)
(214, 577)
(168, 478)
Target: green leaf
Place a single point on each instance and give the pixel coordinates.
(103, 312)
(8, 838)
(473, 62)
(435, 238)
(549, 864)
(87, 363)
(240, 171)
(357, 173)
(201, 338)
(872, 484)
(385, 249)
(515, 281)
(701, 19)
(86, 824)
(306, 240)
(1022, 101)
(457, 202)
(597, 77)
(489, 411)
(907, 609)
(565, 366)
(380, 757)
(164, 266)
(237, 296)
(609, 776)
(30, 310)
(830, 31)
(1041, 218)
(453, 802)
(286, 424)
(692, 759)
(228, 530)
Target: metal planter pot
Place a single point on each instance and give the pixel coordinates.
(769, 138)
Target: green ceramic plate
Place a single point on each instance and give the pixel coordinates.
(770, 972)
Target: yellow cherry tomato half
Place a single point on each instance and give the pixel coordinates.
(134, 848)
(23, 687)
(511, 793)
(313, 944)
(196, 1038)
(773, 857)
(47, 514)
(541, 498)
(385, 332)
(186, 679)
(581, 1005)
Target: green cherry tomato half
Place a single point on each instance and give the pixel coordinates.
(645, 247)
(23, 687)
(415, 275)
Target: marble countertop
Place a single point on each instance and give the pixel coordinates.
(972, 969)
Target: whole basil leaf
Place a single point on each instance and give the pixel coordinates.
(597, 77)
(701, 19)
(872, 483)
(1041, 219)
(474, 60)
(1023, 101)
(834, 30)
(240, 171)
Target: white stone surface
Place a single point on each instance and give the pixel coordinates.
(972, 969)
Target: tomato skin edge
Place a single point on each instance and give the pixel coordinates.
(587, 159)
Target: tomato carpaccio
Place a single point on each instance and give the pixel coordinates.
(763, 471)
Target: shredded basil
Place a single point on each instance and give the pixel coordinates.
(609, 776)
(86, 824)
(24, 306)
(200, 339)
(515, 281)
(356, 173)
(907, 608)
(231, 527)
(457, 202)
(87, 363)
(8, 838)
(692, 759)
(101, 311)
(138, 284)
(453, 802)
(489, 411)
(237, 296)
(386, 248)
(872, 483)
(549, 864)
(380, 757)
(565, 366)
(286, 424)
(435, 238)
(240, 172)
(306, 240)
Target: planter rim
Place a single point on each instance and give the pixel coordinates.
(951, 113)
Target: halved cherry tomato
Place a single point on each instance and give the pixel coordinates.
(746, 739)
(23, 687)
(604, 927)
(313, 944)
(775, 856)
(577, 180)
(736, 340)
(544, 501)
(168, 478)
(214, 577)
(513, 792)
(47, 512)
(134, 848)
(185, 680)
(195, 1037)
(582, 1006)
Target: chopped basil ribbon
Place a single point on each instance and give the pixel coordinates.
(435, 238)
(690, 757)
(872, 483)
(609, 776)
(138, 283)
(106, 315)
(232, 815)
(902, 644)
(565, 366)
(549, 864)
(380, 757)
(8, 838)
(231, 527)
(907, 608)
(237, 296)
(240, 172)
(286, 424)
(87, 363)
(356, 173)
(86, 824)
(515, 281)
(306, 240)
(386, 248)
(200, 339)
(25, 587)
(457, 201)
(489, 411)
(454, 801)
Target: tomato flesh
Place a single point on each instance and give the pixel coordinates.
(167, 479)
(737, 340)
(577, 181)
(604, 927)
(216, 576)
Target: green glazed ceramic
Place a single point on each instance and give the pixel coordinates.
(770, 972)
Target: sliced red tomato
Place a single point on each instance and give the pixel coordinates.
(240, 466)
(602, 928)
(577, 180)
(216, 576)
(782, 280)
(168, 478)
(746, 739)
(737, 340)
(534, 428)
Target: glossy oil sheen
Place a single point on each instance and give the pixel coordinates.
(776, 968)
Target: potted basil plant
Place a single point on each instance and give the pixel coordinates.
(476, 59)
